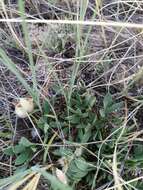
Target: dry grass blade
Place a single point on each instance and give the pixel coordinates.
(117, 178)
(18, 184)
(78, 22)
(10, 26)
(81, 62)
(32, 185)
(11, 66)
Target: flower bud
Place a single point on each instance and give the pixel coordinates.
(24, 106)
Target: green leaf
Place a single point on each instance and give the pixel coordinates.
(46, 127)
(115, 107)
(84, 115)
(78, 169)
(102, 113)
(90, 100)
(86, 136)
(19, 148)
(81, 126)
(63, 152)
(138, 150)
(46, 107)
(9, 151)
(25, 142)
(82, 164)
(80, 134)
(75, 119)
(22, 158)
(41, 123)
(107, 100)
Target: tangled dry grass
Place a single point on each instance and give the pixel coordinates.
(103, 58)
